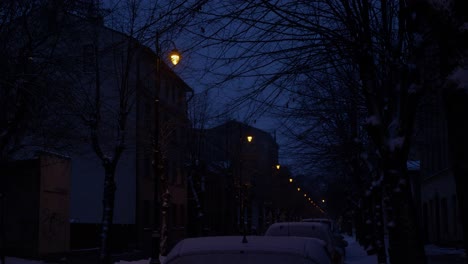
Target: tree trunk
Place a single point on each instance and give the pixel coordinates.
(379, 229)
(2, 228)
(457, 111)
(108, 200)
(405, 244)
(166, 199)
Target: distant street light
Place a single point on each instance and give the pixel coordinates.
(249, 138)
(278, 166)
(298, 189)
(305, 195)
(160, 230)
(290, 180)
(323, 200)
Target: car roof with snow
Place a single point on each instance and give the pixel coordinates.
(301, 229)
(317, 220)
(309, 229)
(326, 221)
(258, 249)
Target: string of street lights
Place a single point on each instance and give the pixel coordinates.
(309, 199)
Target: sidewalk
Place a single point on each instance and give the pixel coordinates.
(439, 255)
(355, 254)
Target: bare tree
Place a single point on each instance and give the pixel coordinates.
(29, 104)
(103, 94)
(273, 45)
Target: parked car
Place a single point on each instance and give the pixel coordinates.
(254, 250)
(312, 230)
(326, 221)
(338, 238)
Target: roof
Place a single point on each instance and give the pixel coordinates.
(302, 247)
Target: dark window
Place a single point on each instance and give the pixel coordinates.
(455, 214)
(444, 214)
(177, 175)
(173, 209)
(147, 114)
(431, 214)
(173, 94)
(146, 213)
(89, 58)
(182, 215)
(146, 167)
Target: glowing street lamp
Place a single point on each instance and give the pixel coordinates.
(323, 200)
(278, 166)
(290, 180)
(175, 56)
(298, 189)
(249, 139)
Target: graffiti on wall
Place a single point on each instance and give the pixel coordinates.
(52, 224)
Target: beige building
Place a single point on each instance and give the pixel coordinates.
(37, 205)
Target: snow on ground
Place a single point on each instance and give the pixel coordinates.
(12, 260)
(355, 254)
(142, 261)
(435, 250)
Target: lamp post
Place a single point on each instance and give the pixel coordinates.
(160, 232)
(242, 187)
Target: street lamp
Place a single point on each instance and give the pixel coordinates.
(159, 239)
(175, 56)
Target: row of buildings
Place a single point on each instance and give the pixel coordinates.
(219, 182)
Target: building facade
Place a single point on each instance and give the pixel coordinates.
(439, 207)
(110, 81)
(239, 166)
(36, 205)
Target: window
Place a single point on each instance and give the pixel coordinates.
(444, 214)
(89, 58)
(182, 215)
(146, 166)
(147, 113)
(431, 214)
(178, 176)
(146, 213)
(173, 94)
(455, 214)
(173, 210)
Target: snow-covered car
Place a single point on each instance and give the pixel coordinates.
(252, 250)
(326, 221)
(339, 240)
(311, 230)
